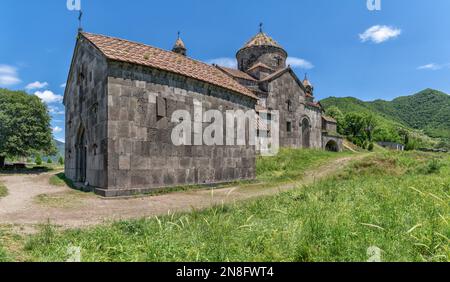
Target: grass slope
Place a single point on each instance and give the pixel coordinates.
(397, 202)
(291, 164)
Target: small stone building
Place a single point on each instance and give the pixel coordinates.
(120, 97)
(392, 146)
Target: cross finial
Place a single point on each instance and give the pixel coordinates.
(306, 76)
(179, 33)
(261, 27)
(80, 16)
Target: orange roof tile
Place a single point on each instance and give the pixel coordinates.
(140, 54)
(260, 65)
(236, 73)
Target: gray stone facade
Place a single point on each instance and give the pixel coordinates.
(87, 117)
(288, 97)
(141, 155)
(120, 97)
(119, 124)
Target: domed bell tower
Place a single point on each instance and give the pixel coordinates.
(179, 46)
(309, 88)
(261, 49)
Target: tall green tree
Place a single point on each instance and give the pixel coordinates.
(61, 160)
(24, 126)
(359, 127)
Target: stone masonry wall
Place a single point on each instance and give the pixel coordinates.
(272, 57)
(85, 104)
(141, 155)
(282, 90)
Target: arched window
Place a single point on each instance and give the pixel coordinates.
(289, 105)
(306, 133)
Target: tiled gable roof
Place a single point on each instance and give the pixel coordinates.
(260, 65)
(329, 119)
(276, 74)
(314, 104)
(236, 73)
(140, 54)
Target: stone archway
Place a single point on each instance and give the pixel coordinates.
(332, 146)
(306, 133)
(81, 156)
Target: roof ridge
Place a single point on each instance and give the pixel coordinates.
(259, 64)
(124, 50)
(229, 71)
(147, 45)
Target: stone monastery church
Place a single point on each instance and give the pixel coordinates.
(120, 97)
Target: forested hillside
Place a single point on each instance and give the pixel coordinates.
(427, 111)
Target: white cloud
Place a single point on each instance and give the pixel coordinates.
(62, 140)
(224, 62)
(380, 33)
(36, 85)
(8, 75)
(56, 111)
(299, 63)
(433, 66)
(430, 67)
(232, 63)
(48, 96)
(57, 129)
(63, 85)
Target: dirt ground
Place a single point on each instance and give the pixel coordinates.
(32, 200)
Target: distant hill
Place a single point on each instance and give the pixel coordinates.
(61, 147)
(428, 111)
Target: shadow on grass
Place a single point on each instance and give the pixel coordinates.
(28, 170)
(60, 179)
(187, 188)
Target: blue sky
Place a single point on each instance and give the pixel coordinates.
(346, 49)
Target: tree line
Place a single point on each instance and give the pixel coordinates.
(363, 129)
(25, 129)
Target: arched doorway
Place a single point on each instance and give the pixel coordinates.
(332, 146)
(306, 133)
(81, 156)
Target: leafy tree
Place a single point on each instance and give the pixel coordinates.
(49, 161)
(370, 125)
(38, 160)
(61, 160)
(355, 125)
(359, 128)
(24, 126)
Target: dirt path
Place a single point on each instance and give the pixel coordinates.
(20, 206)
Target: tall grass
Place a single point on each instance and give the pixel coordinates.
(384, 201)
(3, 255)
(3, 191)
(291, 164)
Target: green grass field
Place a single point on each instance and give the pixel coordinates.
(290, 164)
(396, 202)
(3, 190)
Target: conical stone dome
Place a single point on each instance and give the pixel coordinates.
(179, 46)
(263, 49)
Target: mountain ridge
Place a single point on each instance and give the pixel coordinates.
(427, 111)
